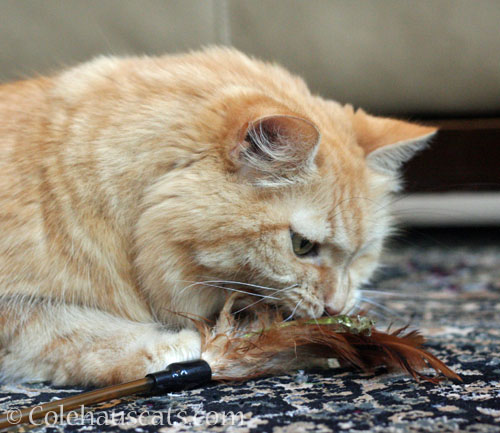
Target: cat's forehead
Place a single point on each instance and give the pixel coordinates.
(311, 222)
(336, 210)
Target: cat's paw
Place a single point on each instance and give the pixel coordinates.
(148, 354)
(181, 346)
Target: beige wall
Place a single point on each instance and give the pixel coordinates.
(397, 56)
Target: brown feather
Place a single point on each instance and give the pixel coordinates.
(264, 344)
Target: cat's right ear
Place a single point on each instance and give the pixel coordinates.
(276, 149)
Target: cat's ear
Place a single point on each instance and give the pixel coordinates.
(276, 147)
(388, 143)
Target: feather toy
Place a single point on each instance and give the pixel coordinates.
(263, 344)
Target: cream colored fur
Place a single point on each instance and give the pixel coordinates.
(131, 187)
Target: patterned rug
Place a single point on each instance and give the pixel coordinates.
(448, 286)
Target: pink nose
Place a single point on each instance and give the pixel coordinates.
(331, 311)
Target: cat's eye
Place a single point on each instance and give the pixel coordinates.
(302, 246)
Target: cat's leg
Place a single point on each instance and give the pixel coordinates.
(75, 345)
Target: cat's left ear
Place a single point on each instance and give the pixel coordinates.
(276, 148)
(388, 143)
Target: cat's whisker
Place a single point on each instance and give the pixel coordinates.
(231, 289)
(370, 311)
(243, 284)
(389, 294)
(195, 283)
(358, 307)
(260, 300)
(388, 310)
(294, 311)
(378, 314)
(316, 320)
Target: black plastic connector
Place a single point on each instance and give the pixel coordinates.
(180, 376)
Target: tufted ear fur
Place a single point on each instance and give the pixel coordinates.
(388, 143)
(276, 148)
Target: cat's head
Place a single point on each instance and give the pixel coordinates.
(288, 194)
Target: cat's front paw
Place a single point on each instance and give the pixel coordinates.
(179, 347)
(148, 354)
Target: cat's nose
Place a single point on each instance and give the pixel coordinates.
(334, 303)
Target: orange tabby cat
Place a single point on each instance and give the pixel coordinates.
(135, 188)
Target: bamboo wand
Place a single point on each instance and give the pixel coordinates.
(176, 377)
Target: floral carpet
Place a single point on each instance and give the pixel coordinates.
(450, 290)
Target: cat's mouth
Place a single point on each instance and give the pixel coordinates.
(313, 307)
(308, 305)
